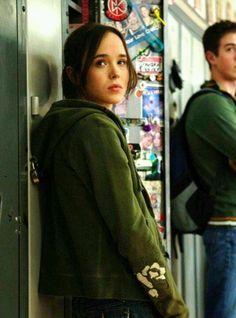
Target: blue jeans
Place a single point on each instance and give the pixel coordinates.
(220, 299)
(89, 308)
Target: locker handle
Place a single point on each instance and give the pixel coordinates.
(34, 105)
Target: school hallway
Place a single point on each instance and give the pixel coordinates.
(164, 41)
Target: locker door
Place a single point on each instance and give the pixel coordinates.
(9, 162)
(44, 66)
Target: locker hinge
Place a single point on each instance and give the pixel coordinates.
(19, 221)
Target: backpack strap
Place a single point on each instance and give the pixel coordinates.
(205, 90)
(201, 92)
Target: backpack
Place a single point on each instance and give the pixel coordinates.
(191, 199)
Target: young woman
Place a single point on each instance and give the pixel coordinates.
(100, 240)
(147, 19)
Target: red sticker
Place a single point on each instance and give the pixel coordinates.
(117, 10)
(85, 11)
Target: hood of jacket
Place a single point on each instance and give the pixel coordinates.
(56, 123)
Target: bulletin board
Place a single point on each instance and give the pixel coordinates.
(142, 113)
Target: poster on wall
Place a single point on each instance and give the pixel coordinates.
(152, 140)
(141, 26)
(149, 65)
(136, 23)
(154, 189)
(152, 103)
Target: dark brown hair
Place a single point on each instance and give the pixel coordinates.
(213, 34)
(79, 51)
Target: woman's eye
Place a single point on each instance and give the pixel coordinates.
(100, 63)
(122, 62)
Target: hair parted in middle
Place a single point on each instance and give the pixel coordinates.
(79, 51)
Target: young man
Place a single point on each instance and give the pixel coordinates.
(211, 134)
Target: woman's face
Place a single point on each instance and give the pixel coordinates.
(133, 21)
(146, 141)
(157, 140)
(144, 12)
(108, 75)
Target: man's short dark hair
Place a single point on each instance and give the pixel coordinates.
(213, 34)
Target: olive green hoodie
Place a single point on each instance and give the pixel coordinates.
(100, 239)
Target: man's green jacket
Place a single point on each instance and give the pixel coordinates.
(211, 135)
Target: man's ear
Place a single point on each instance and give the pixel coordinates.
(211, 57)
(71, 74)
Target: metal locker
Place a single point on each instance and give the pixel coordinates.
(13, 242)
(31, 53)
(43, 65)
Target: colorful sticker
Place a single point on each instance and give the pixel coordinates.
(146, 14)
(117, 10)
(85, 11)
(141, 28)
(148, 65)
(152, 140)
(152, 102)
(140, 88)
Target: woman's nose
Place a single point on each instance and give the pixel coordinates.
(114, 72)
(115, 75)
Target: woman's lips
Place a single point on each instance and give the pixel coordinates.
(115, 87)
